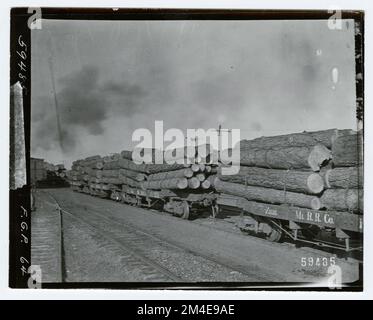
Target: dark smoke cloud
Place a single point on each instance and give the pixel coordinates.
(84, 102)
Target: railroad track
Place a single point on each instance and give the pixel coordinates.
(287, 243)
(142, 244)
(150, 269)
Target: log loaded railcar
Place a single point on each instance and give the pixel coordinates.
(304, 186)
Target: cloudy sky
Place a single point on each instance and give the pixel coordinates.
(112, 77)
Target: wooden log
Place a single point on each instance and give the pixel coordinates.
(110, 173)
(198, 154)
(155, 168)
(268, 195)
(194, 183)
(138, 176)
(125, 164)
(106, 159)
(175, 183)
(206, 184)
(117, 181)
(211, 179)
(115, 156)
(126, 154)
(99, 165)
(212, 158)
(92, 158)
(202, 167)
(343, 200)
(195, 167)
(303, 139)
(128, 181)
(291, 180)
(180, 173)
(95, 162)
(287, 157)
(95, 180)
(344, 178)
(200, 176)
(347, 150)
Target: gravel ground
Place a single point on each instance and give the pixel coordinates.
(45, 239)
(112, 263)
(193, 251)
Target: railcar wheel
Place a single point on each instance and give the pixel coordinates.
(272, 230)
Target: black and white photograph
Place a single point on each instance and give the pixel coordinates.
(187, 149)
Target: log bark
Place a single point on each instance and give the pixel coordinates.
(347, 150)
(344, 178)
(186, 153)
(268, 195)
(203, 153)
(125, 164)
(343, 200)
(303, 139)
(110, 180)
(291, 180)
(180, 173)
(155, 168)
(129, 181)
(175, 183)
(193, 183)
(287, 157)
(99, 165)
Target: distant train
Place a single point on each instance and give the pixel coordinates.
(47, 175)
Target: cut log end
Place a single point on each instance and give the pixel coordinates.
(182, 183)
(188, 172)
(316, 203)
(319, 156)
(315, 183)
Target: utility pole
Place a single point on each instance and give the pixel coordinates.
(56, 104)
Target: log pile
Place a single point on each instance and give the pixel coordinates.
(318, 170)
(117, 171)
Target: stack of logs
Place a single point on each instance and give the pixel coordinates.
(102, 175)
(316, 170)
